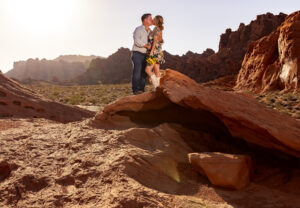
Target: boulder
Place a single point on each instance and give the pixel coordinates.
(225, 170)
(229, 115)
(19, 101)
(272, 62)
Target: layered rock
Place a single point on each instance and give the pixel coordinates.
(232, 48)
(223, 114)
(225, 170)
(272, 63)
(17, 100)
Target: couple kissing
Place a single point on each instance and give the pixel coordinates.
(147, 53)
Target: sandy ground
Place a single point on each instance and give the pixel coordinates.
(75, 165)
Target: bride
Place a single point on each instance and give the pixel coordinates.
(155, 57)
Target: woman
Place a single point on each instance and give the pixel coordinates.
(155, 56)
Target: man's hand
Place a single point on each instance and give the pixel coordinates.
(148, 46)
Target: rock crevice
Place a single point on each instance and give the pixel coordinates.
(226, 115)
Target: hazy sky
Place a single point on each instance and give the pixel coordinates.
(49, 28)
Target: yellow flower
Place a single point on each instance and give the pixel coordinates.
(152, 60)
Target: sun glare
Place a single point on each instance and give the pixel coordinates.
(41, 16)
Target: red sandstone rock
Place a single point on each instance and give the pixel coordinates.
(232, 48)
(225, 114)
(73, 165)
(272, 63)
(225, 170)
(17, 100)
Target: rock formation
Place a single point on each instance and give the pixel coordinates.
(225, 170)
(115, 69)
(223, 114)
(232, 48)
(272, 63)
(50, 164)
(17, 100)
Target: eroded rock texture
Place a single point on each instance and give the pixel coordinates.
(50, 164)
(223, 114)
(232, 49)
(17, 100)
(272, 63)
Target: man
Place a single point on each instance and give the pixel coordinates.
(139, 50)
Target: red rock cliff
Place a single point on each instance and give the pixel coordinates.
(272, 63)
(232, 48)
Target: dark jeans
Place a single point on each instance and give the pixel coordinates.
(139, 74)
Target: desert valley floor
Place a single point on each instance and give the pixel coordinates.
(95, 97)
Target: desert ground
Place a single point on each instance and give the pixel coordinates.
(98, 96)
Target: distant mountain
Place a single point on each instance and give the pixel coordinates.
(60, 69)
(115, 69)
(77, 58)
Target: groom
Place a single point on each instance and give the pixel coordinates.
(139, 50)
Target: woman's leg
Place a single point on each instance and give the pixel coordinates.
(157, 70)
(152, 76)
(149, 70)
(157, 73)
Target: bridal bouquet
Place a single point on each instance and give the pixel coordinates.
(151, 60)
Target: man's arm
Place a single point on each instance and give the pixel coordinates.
(137, 39)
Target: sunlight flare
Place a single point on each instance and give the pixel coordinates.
(41, 16)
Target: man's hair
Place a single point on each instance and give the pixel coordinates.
(145, 16)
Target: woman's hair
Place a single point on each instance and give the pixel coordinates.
(159, 22)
